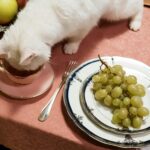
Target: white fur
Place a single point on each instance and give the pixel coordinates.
(42, 23)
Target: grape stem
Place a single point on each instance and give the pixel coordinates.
(102, 63)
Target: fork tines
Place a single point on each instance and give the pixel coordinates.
(71, 65)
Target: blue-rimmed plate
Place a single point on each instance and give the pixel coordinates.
(79, 83)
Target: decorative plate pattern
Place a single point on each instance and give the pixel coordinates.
(72, 91)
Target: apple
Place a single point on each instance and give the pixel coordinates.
(8, 10)
(21, 3)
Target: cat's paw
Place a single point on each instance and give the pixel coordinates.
(71, 48)
(135, 25)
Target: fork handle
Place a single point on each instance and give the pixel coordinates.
(47, 109)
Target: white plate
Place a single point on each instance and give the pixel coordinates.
(75, 83)
(102, 115)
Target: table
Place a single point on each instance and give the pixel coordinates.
(19, 127)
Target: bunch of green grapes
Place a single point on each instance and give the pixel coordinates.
(122, 94)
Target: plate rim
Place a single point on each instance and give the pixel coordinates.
(82, 127)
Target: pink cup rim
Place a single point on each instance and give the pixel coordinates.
(21, 79)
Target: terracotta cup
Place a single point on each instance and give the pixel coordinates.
(19, 77)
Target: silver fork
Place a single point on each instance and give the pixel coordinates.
(47, 108)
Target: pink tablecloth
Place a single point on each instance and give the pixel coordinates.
(19, 127)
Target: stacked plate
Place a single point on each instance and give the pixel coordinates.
(95, 119)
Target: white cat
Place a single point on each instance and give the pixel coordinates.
(42, 23)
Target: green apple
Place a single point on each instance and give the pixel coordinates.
(8, 9)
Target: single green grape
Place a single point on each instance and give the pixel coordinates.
(140, 90)
(132, 89)
(136, 122)
(116, 119)
(123, 113)
(116, 92)
(96, 78)
(125, 79)
(124, 86)
(117, 68)
(116, 102)
(108, 100)
(136, 101)
(126, 122)
(142, 112)
(112, 69)
(110, 76)
(133, 111)
(122, 105)
(103, 78)
(110, 82)
(106, 70)
(108, 88)
(97, 85)
(100, 94)
(116, 110)
(117, 80)
(126, 101)
(121, 73)
(131, 79)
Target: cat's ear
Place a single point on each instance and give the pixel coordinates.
(3, 54)
(27, 58)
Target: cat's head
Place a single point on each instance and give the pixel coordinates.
(24, 54)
